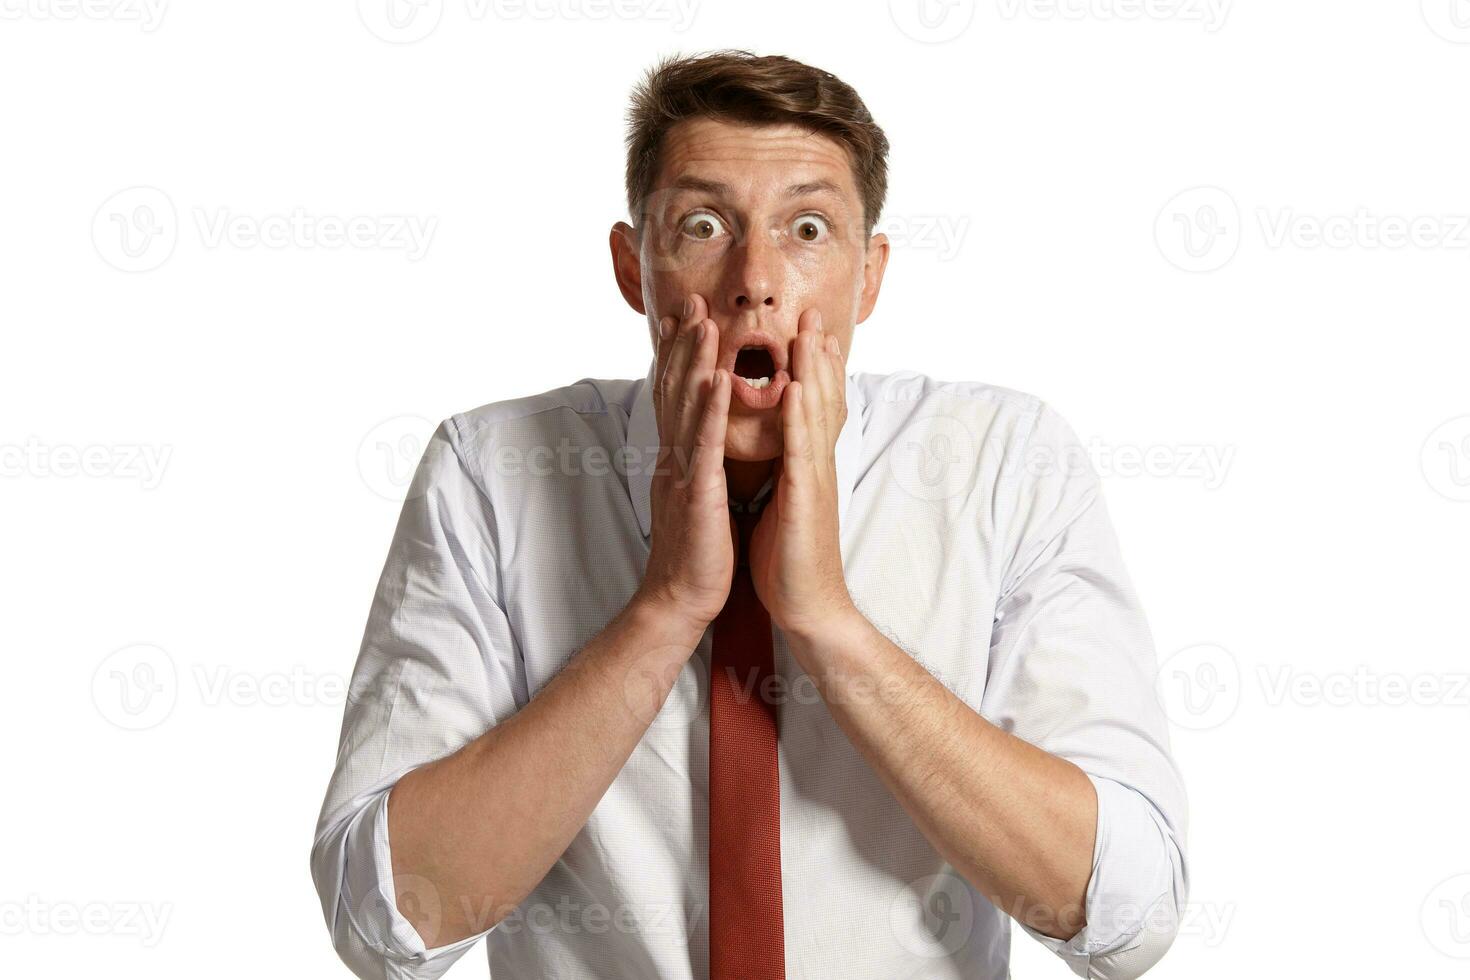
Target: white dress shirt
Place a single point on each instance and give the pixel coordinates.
(973, 535)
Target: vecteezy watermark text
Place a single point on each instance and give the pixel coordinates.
(138, 229)
(35, 916)
(408, 21)
(142, 462)
(1210, 14)
(147, 14)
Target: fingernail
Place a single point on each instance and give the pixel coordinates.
(699, 334)
(663, 327)
(688, 306)
(818, 318)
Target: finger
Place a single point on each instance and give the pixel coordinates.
(827, 377)
(827, 410)
(809, 328)
(708, 466)
(697, 381)
(671, 382)
(676, 332)
(829, 364)
(796, 442)
(809, 321)
(837, 378)
(668, 389)
(814, 382)
(679, 321)
(663, 347)
(821, 348)
(695, 310)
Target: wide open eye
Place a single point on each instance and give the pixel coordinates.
(702, 226)
(810, 228)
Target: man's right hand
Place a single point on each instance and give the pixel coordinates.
(520, 790)
(692, 554)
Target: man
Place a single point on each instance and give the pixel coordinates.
(753, 668)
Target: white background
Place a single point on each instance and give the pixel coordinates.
(205, 435)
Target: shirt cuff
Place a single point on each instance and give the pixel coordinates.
(1134, 897)
(372, 896)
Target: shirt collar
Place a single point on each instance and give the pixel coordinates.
(642, 447)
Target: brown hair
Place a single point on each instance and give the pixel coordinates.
(741, 87)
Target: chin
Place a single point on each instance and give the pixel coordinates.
(752, 438)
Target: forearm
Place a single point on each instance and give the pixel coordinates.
(485, 824)
(1017, 822)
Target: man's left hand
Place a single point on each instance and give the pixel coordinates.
(795, 549)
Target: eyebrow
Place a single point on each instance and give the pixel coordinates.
(692, 183)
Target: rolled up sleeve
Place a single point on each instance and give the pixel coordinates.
(1135, 856)
(370, 934)
(1072, 670)
(437, 668)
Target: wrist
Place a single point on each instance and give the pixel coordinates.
(666, 616)
(840, 626)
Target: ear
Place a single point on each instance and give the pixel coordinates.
(873, 265)
(623, 240)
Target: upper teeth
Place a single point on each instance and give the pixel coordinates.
(756, 382)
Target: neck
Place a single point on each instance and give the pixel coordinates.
(744, 478)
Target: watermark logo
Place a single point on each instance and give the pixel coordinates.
(933, 916)
(140, 686)
(647, 690)
(1208, 923)
(932, 21)
(933, 457)
(1450, 19)
(678, 13)
(416, 898)
(1199, 686)
(136, 687)
(406, 233)
(389, 455)
(1208, 464)
(136, 229)
(407, 21)
(1199, 229)
(942, 234)
(565, 917)
(219, 685)
(1445, 459)
(1210, 14)
(400, 21)
(1445, 917)
(1202, 687)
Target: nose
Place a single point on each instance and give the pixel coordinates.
(755, 275)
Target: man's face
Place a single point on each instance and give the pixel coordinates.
(763, 222)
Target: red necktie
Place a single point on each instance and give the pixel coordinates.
(746, 937)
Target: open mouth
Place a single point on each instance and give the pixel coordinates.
(758, 364)
(755, 366)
